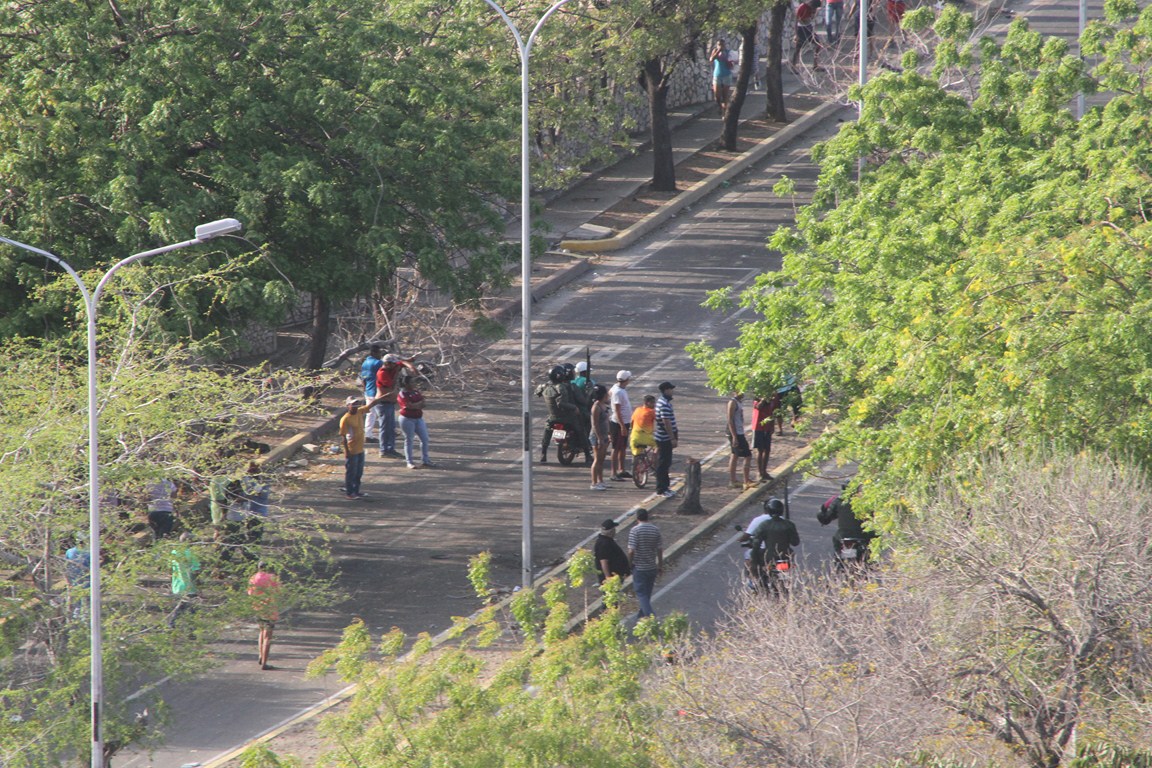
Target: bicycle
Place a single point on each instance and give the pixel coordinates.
(643, 464)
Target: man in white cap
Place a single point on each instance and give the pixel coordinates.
(352, 438)
(620, 423)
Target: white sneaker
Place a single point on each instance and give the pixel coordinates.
(669, 494)
(597, 487)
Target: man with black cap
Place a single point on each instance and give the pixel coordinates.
(610, 558)
(667, 437)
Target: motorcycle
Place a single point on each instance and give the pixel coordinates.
(773, 577)
(852, 552)
(567, 445)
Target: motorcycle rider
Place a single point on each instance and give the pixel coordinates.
(557, 394)
(774, 538)
(848, 526)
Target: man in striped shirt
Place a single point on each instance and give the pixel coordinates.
(667, 437)
(646, 556)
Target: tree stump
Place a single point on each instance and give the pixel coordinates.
(691, 503)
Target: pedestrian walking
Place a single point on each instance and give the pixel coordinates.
(620, 423)
(368, 370)
(410, 401)
(667, 437)
(833, 17)
(806, 32)
(264, 589)
(738, 442)
(600, 435)
(387, 390)
(646, 557)
(610, 558)
(721, 74)
(256, 490)
(763, 409)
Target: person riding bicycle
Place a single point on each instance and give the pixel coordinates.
(557, 394)
(774, 538)
(643, 426)
(848, 526)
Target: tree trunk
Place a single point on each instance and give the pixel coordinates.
(743, 78)
(321, 317)
(663, 162)
(774, 77)
(691, 503)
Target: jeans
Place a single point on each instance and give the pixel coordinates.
(386, 419)
(643, 582)
(414, 428)
(833, 14)
(663, 464)
(353, 472)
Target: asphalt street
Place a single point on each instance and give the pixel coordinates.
(404, 549)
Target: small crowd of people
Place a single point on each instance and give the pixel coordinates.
(391, 389)
(808, 12)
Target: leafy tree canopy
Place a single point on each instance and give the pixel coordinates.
(985, 282)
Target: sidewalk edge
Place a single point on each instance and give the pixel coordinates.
(705, 186)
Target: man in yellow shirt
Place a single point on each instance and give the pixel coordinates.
(643, 426)
(352, 437)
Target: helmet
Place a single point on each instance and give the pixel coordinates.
(582, 367)
(557, 374)
(569, 371)
(774, 506)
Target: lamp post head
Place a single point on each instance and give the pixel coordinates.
(218, 228)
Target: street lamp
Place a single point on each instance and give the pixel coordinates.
(525, 48)
(204, 233)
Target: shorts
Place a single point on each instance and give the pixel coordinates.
(269, 623)
(740, 447)
(804, 34)
(619, 433)
(724, 81)
(762, 440)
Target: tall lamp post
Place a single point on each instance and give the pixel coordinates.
(204, 233)
(525, 48)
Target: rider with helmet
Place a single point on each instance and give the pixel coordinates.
(562, 408)
(774, 538)
(848, 526)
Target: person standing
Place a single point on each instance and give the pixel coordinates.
(610, 558)
(387, 389)
(763, 409)
(185, 566)
(368, 370)
(833, 16)
(256, 490)
(620, 419)
(352, 438)
(667, 437)
(600, 435)
(646, 557)
(264, 589)
(412, 424)
(738, 441)
(721, 75)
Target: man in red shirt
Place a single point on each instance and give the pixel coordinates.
(387, 387)
(806, 32)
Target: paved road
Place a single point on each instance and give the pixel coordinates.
(405, 548)
(702, 581)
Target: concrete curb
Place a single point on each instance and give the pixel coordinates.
(705, 186)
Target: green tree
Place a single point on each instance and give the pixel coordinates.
(984, 284)
(554, 698)
(163, 416)
(348, 143)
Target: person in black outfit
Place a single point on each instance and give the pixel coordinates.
(611, 560)
(778, 535)
(848, 526)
